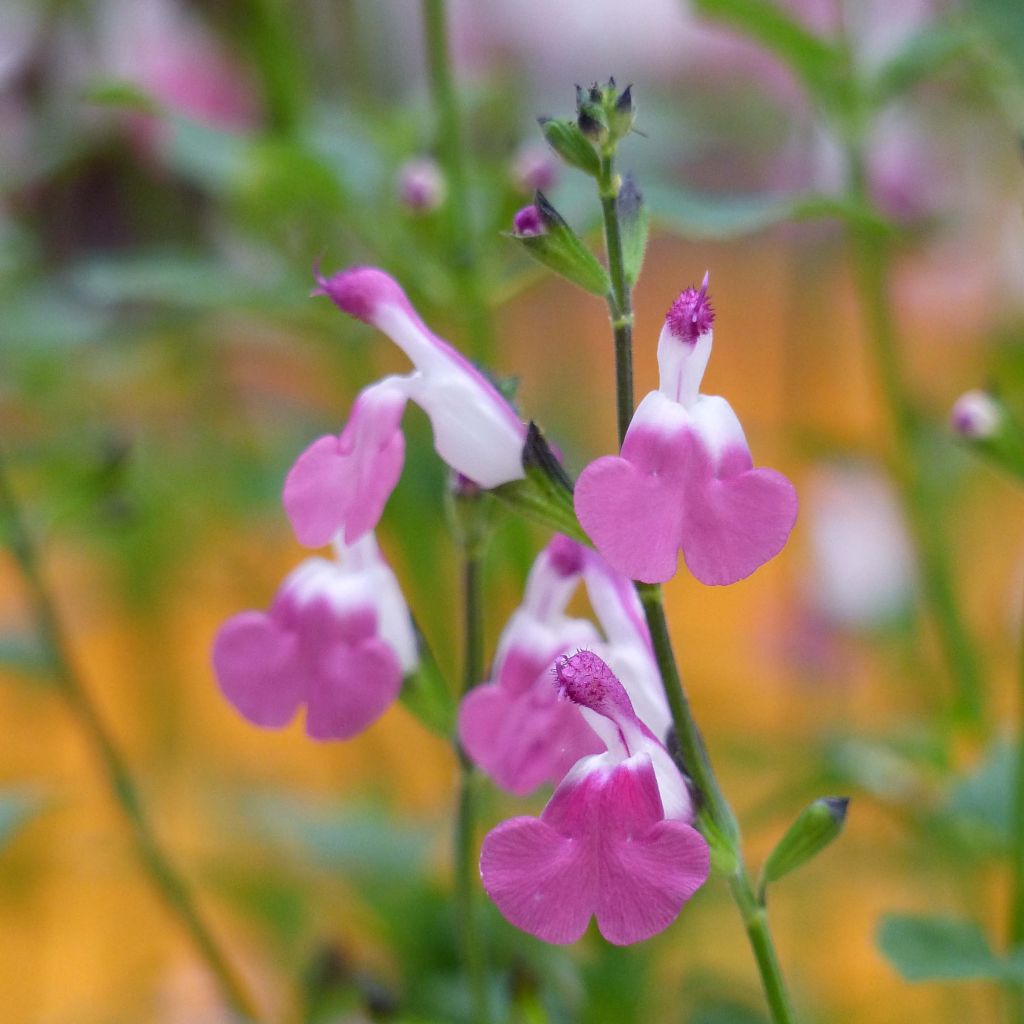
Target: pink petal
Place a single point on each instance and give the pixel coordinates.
(599, 848)
(257, 669)
(733, 525)
(522, 740)
(633, 518)
(350, 687)
(346, 481)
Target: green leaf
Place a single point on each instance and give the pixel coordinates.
(941, 949)
(635, 224)
(24, 653)
(815, 61)
(560, 248)
(711, 216)
(980, 802)
(924, 55)
(815, 827)
(121, 94)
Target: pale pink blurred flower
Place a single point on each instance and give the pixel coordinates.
(421, 185)
(534, 167)
(164, 50)
(862, 570)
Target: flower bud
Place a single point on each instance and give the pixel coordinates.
(976, 416)
(421, 185)
(812, 831)
(566, 139)
(534, 168)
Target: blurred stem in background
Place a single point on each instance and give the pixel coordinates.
(123, 788)
(717, 820)
(871, 259)
(464, 255)
(1016, 930)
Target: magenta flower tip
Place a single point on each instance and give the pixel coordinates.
(359, 291)
(528, 222)
(691, 314)
(586, 680)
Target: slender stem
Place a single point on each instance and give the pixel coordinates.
(755, 919)
(1016, 936)
(464, 255)
(466, 868)
(716, 816)
(871, 261)
(161, 872)
(620, 300)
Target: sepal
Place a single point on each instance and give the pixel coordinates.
(566, 139)
(426, 694)
(635, 225)
(558, 247)
(545, 493)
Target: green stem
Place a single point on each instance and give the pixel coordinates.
(1016, 936)
(871, 261)
(620, 300)
(161, 872)
(466, 861)
(716, 817)
(464, 257)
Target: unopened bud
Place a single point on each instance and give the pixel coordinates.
(813, 830)
(534, 168)
(566, 139)
(528, 222)
(976, 416)
(421, 185)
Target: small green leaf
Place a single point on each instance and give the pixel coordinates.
(924, 55)
(635, 224)
(559, 248)
(813, 830)
(815, 61)
(979, 802)
(940, 949)
(125, 95)
(24, 653)
(566, 139)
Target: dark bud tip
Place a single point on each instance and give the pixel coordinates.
(837, 806)
(624, 104)
(590, 126)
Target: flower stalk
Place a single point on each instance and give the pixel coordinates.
(453, 156)
(471, 529)
(716, 818)
(871, 259)
(160, 870)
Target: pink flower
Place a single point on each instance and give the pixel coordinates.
(614, 841)
(685, 478)
(338, 638)
(343, 482)
(515, 728)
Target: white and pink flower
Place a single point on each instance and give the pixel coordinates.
(614, 842)
(341, 483)
(685, 480)
(337, 638)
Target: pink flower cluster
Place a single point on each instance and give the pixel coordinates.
(570, 701)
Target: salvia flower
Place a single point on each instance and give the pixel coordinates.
(614, 842)
(337, 638)
(685, 479)
(341, 483)
(515, 728)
